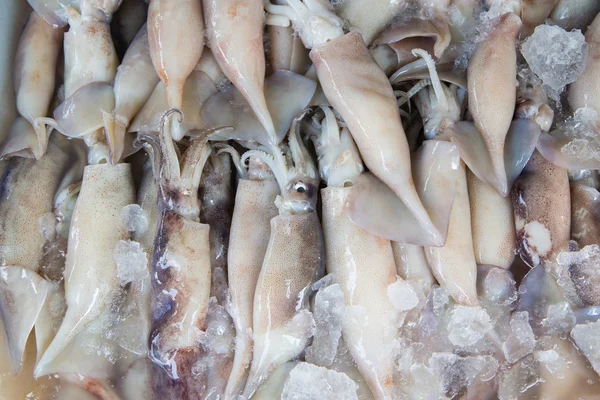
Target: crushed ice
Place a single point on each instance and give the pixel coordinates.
(135, 218)
(132, 261)
(558, 57)
(311, 382)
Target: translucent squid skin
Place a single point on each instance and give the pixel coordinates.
(363, 265)
(235, 36)
(22, 289)
(134, 83)
(91, 279)
(492, 223)
(346, 69)
(248, 241)
(293, 260)
(369, 17)
(491, 76)
(176, 37)
(585, 214)
(584, 92)
(454, 265)
(411, 263)
(35, 72)
(181, 288)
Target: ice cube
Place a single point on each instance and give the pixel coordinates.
(402, 295)
(559, 319)
(47, 225)
(587, 339)
(135, 218)
(468, 325)
(441, 299)
(523, 375)
(521, 340)
(132, 261)
(581, 269)
(499, 287)
(551, 360)
(457, 373)
(329, 310)
(220, 332)
(311, 382)
(558, 57)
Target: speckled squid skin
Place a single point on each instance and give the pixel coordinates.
(542, 206)
(176, 38)
(492, 224)
(359, 90)
(91, 280)
(585, 214)
(235, 36)
(180, 290)
(293, 260)
(35, 73)
(454, 265)
(363, 265)
(585, 91)
(90, 55)
(250, 232)
(491, 77)
(21, 242)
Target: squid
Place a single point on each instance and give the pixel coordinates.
(584, 91)
(412, 265)
(293, 261)
(92, 284)
(491, 76)
(249, 238)
(345, 67)
(180, 265)
(534, 13)
(176, 39)
(54, 12)
(369, 17)
(35, 71)
(199, 87)
(22, 244)
(542, 207)
(216, 199)
(235, 36)
(574, 14)
(362, 264)
(134, 83)
(287, 51)
(454, 264)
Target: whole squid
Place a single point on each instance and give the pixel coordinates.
(134, 83)
(491, 83)
(542, 207)
(248, 240)
(362, 264)
(180, 266)
(92, 283)
(35, 72)
(584, 91)
(176, 38)
(235, 36)
(345, 68)
(293, 261)
(23, 290)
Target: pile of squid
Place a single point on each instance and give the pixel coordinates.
(298, 199)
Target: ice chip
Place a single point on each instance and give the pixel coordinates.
(135, 218)
(579, 270)
(558, 57)
(402, 295)
(311, 382)
(468, 325)
(587, 339)
(559, 320)
(220, 332)
(457, 373)
(499, 287)
(441, 299)
(521, 340)
(519, 378)
(329, 310)
(132, 261)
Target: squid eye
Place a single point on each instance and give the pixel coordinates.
(300, 187)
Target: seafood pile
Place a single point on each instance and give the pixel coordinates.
(302, 199)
